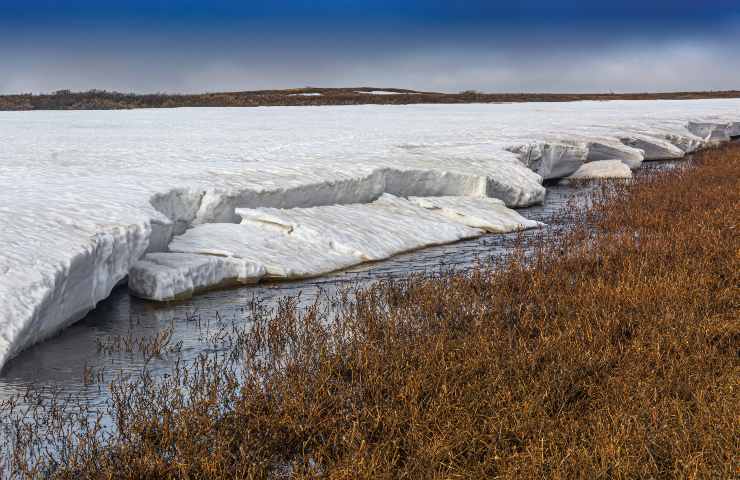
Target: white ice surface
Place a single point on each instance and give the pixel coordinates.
(167, 276)
(85, 194)
(282, 255)
(488, 214)
(306, 242)
(311, 94)
(601, 169)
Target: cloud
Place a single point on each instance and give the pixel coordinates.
(243, 59)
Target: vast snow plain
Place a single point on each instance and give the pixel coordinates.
(86, 197)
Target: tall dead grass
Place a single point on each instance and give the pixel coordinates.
(613, 352)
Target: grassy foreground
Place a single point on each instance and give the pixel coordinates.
(104, 100)
(612, 353)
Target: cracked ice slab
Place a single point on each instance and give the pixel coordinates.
(85, 194)
(173, 276)
(305, 242)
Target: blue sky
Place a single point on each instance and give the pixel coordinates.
(445, 45)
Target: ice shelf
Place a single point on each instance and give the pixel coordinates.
(85, 195)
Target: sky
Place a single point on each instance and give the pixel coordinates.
(148, 46)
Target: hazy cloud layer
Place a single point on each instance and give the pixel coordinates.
(492, 54)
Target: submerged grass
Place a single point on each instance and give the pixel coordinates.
(612, 351)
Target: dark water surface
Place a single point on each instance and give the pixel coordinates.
(60, 363)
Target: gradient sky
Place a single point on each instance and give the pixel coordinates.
(441, 45)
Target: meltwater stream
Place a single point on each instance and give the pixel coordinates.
(58, 365)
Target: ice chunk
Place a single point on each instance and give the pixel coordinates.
(488, 214)
(689, 143)
(603, 150)
(552, 160)
(710, 131)
(654, 148)
(481, 170)
(170, 276)
(602, 169)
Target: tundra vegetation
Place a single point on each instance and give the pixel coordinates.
(105, 100)
(609, 351)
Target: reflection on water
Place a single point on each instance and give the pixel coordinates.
(61, 362)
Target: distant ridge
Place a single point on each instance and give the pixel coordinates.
(311, 96)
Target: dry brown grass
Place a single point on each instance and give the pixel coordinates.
(613, 353)
(104, 100)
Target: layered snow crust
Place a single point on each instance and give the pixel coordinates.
(85, 195)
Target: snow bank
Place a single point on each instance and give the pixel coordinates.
(84, 195)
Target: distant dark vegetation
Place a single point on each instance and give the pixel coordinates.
(104, 100)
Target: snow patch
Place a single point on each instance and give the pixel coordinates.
(385, 92)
